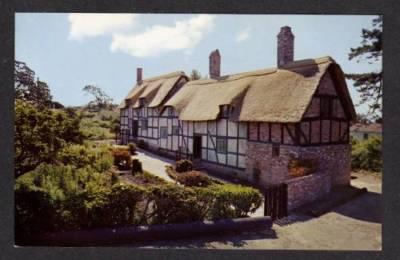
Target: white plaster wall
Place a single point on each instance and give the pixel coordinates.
(221, 125)
(232, 145)
(232, 128)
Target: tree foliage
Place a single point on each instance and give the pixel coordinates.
(29, 90)
(101, 99)
(369, 84)
(367, 154)
(194, 75)
(40, 133)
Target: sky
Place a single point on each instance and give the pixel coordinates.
(69, 51)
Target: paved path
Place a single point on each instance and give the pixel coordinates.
(154, 164)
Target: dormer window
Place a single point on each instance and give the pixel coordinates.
(142, 102)
(226, 111)
(170, 111)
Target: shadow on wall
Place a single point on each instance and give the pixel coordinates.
(367, 207)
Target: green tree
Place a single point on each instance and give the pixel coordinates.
(101, 99)
(40, 134)
(194, 75)
(27, 89)
(369, 84)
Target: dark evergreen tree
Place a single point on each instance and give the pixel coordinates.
(369, 84)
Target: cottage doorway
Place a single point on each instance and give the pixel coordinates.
(196, 146)
(135, 127)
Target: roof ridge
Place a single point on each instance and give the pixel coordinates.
(164, 76)
(266, 71)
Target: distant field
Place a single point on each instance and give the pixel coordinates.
(97, 125)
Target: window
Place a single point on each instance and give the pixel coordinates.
(175, 130)
(365, 135)
(142, 102)
(163, 132)
(326, 109)
(275, 150)
(144, 124)
(225, 110)
(170, 111)
(221, 145)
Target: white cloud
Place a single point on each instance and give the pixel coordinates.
(157, 39)
(243, 34)
(91, 25)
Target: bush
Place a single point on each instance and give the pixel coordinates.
(146, 178)
(367, 154)
(80, 156)
(229, 200)
(302, 167)
(136, 166)
(193, 178)
(40, 134)
(183, 166)
(174, 204)
(132, 148)
(122, 159)
(142, 144)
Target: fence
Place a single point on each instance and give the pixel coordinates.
(275, 203)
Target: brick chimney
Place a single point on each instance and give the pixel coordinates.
(215, 64)
(285, 46)
(139, 75)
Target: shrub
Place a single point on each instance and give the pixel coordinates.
(132, 148)
(367, 154)
(146, 178)
(173, 204)
(142, 144)
(193, 178)
(81, 156)
(122, 159)
(40, 134)
(302, 167)
(183, 166)
(136, 166)
(230, 200)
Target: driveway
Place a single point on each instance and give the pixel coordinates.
(355, 225)
(154, 164)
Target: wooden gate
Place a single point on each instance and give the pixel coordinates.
(275, 201)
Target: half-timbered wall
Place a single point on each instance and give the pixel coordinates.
(124, 125)
(325, 121)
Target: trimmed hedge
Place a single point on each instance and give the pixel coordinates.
(57, 198)
(183, 166)
(136, 166)
(132, 148)
(122, 159)
(193, 178)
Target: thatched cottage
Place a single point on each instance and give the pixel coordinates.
(252, 124)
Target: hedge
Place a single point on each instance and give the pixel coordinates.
(88, 200)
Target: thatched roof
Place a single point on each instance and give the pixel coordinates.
(154, 89)
(271, 95)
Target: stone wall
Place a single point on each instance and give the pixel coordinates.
(302, 190)
(332, 159)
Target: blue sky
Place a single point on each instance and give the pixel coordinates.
(69, 51)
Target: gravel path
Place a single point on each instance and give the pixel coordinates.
(154, 164)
